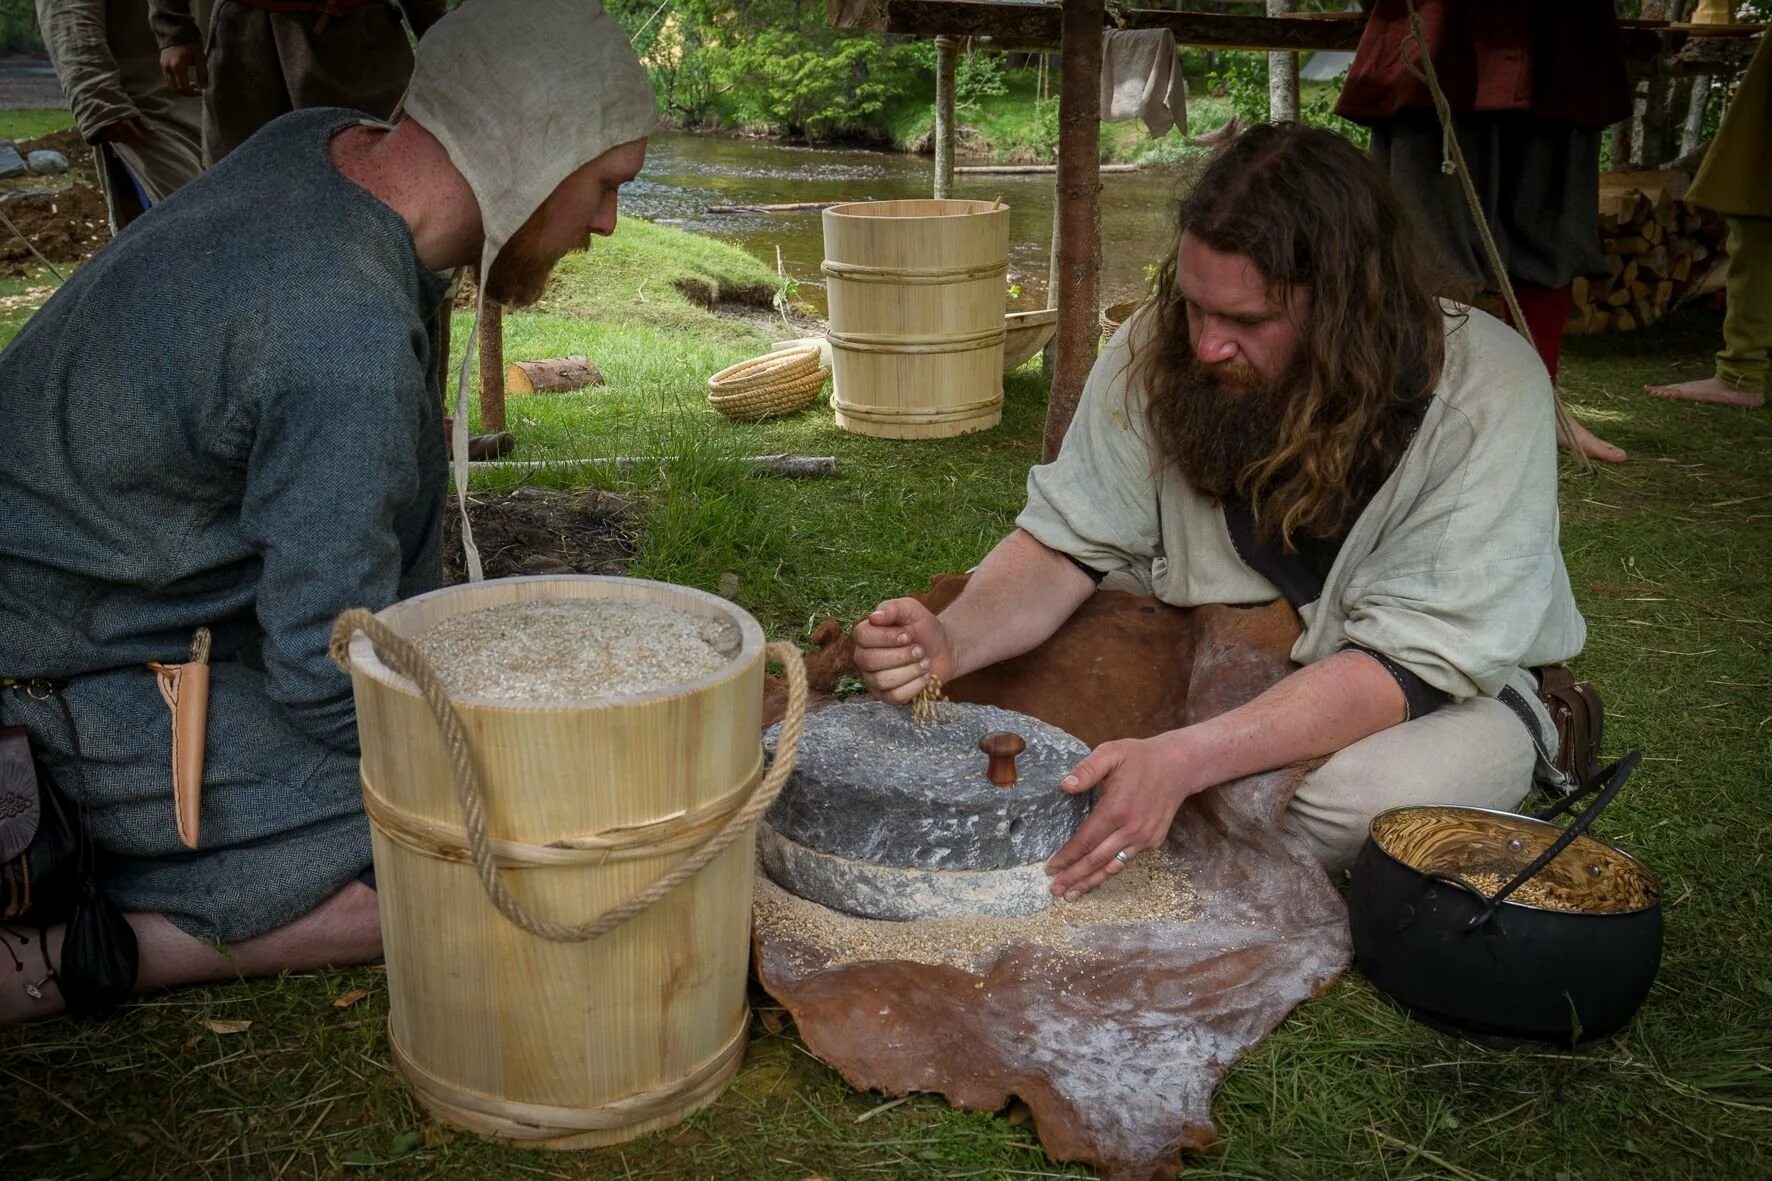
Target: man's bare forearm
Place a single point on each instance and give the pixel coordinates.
(1020, 594)
(1317, 711)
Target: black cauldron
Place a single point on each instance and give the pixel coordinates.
(1478, 961)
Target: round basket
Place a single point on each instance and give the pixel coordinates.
(1115, 315)
(777, 383)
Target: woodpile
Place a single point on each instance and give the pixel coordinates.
(1661, 251)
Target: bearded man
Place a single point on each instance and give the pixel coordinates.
(1294, 414)
(229, 420)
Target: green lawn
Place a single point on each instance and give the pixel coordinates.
(1670, 561)
(31, 123)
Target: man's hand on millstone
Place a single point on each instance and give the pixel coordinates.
(1140, 783)
(898, 646)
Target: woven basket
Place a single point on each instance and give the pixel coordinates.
(1115, 315)
(777, 383)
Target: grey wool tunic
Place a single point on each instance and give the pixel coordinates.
(226, 419)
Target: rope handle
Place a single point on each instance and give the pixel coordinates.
(404, 657)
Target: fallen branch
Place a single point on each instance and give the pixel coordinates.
(788, 466)
(791, 207)
(1047, 168)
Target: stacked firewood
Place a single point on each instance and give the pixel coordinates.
(1661, 251)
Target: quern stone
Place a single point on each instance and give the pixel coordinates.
(887, 818)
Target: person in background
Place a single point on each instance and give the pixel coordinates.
(1531, 86)
(264, 58)
(146, 136)
(1736, 181)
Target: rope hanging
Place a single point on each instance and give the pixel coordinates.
(1423, 68)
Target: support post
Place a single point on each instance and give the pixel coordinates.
(1282, 75)
(492, 369)
(946, 51)
(1078, 213)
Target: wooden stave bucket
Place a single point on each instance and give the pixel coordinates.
(917, 300)
(504, 1070)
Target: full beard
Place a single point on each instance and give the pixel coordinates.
(1217, 422)
(520, 272)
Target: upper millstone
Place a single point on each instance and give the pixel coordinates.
(872, 785)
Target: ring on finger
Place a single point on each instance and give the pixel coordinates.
(1123, 857)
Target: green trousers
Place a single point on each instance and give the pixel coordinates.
(1747, 324)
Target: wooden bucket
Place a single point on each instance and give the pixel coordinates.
(916, 293)
(586, 803)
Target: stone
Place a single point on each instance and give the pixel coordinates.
(11, 163)
(872, 785)
(889, 818)
(46, 163)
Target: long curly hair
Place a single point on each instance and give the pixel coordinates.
(1310, 212)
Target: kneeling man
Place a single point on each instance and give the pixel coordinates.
(227, 424)
(1294, 414)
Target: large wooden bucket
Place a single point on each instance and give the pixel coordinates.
(916, 292)
(564, 1044)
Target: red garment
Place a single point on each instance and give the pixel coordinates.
(1559, 59)
(1546, 310)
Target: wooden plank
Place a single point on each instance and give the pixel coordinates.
(1037, 26)
(1078, 215)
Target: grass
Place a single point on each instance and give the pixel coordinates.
(30, 123)
(1669, 561)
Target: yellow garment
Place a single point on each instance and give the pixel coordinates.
(1736, 177)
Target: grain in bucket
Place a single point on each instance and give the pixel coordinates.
(917, 297)
(564, 845)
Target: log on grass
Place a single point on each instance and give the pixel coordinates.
(793, 467)
(553, 375)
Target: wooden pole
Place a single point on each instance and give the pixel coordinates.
(1078, 212)
(1282, 75)
(946, 50)
(492, 370)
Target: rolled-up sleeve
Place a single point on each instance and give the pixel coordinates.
(74, 35)
(1097, 502)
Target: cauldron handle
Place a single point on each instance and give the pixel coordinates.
(1614, 778)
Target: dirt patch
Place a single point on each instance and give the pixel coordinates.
(539, 531)
(63, 216)
(743, 296)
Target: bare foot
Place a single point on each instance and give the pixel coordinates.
(1710, 391)
(1585, 442)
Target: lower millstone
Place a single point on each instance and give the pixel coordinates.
(903, 895)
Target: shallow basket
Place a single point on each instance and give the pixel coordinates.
(1115, 315)
(782, 382)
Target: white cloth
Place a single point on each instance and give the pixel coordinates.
(1453, 570)
(1141, 79)
(521, 94)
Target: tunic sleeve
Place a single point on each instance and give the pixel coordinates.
(74, 35)
(1097, 502)
(333, 464)
(1461, 588)
(173, 23)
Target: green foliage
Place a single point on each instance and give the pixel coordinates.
(1243, 77)
(18, 27)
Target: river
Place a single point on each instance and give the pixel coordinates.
(685, 174)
